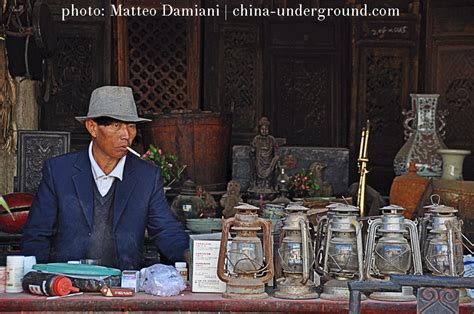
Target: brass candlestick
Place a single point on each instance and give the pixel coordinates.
(362, 165)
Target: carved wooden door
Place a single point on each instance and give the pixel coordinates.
(233, 69)
(450, 70)
(306, 80)
(385, 71)
(292, 70)
(81, 64)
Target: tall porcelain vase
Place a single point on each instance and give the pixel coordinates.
(424, 137)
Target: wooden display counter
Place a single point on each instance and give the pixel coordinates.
(196, 302)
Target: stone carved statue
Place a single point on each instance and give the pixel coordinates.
(231, 199)
(263, 160)
(325, 188)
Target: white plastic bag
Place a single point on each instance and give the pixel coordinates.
(161, 280)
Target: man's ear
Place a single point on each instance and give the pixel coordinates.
(91, 127)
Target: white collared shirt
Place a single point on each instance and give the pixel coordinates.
(102, 180)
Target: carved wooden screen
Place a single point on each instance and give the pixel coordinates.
(450, 70)
(385, 71)
(306, 80)
(81, 64)
(159, 58)
(34, 148)
(233, 69)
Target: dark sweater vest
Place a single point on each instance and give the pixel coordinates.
(102, 242)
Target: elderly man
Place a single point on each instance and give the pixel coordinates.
(96, 204)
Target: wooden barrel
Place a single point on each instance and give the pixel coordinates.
(200, 140)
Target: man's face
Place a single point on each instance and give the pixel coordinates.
(112, 140)
(264, 130)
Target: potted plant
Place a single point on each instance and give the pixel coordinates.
(171, 171)
(302, 184)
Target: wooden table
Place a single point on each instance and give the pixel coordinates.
(194, 302)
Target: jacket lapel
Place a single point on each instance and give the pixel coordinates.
(82, 182)
(124, 189)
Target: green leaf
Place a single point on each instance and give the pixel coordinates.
(6, 207)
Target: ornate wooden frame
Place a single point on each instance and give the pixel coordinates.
(34, 147)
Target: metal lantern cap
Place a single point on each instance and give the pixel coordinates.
(340, 207)
(442, 209)
(392, 209)
(245, 206)
(246, 209)
(435, 207)
(189, 188)
(296, 208)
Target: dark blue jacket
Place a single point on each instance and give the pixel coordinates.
(60, 220)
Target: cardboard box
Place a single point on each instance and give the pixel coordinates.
(131, 279)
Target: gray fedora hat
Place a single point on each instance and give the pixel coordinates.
(114, 102)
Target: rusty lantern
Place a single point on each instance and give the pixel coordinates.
(245, 266)
(296, 256)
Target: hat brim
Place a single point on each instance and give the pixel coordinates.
(117, 117)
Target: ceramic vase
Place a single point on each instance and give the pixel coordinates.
(453, 160)
(423, 131)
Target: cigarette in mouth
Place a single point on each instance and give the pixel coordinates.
(133, 152)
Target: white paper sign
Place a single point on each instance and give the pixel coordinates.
(204, 266)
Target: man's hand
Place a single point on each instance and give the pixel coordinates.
(186, 256)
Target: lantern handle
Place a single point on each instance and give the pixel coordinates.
(360, 258)
(318, 242)
(369, 247)
(452, 267)
(326, 251)
(415, 247)
(278, 260)
(267, 249)
(435, 199)
(226, 224)
(305, 251)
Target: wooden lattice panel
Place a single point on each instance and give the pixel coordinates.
(158, 63)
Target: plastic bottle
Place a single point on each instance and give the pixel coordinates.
(182, 268)
(14, 272)
(47, 284)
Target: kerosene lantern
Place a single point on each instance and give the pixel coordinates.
(441, 242)
(246, 267)
(393, 248)
(187, 204)
(340, 252)
(296, 256)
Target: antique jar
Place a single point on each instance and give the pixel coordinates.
(407, 190)
(453, 160)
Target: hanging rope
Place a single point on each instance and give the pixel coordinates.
(7, 103)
